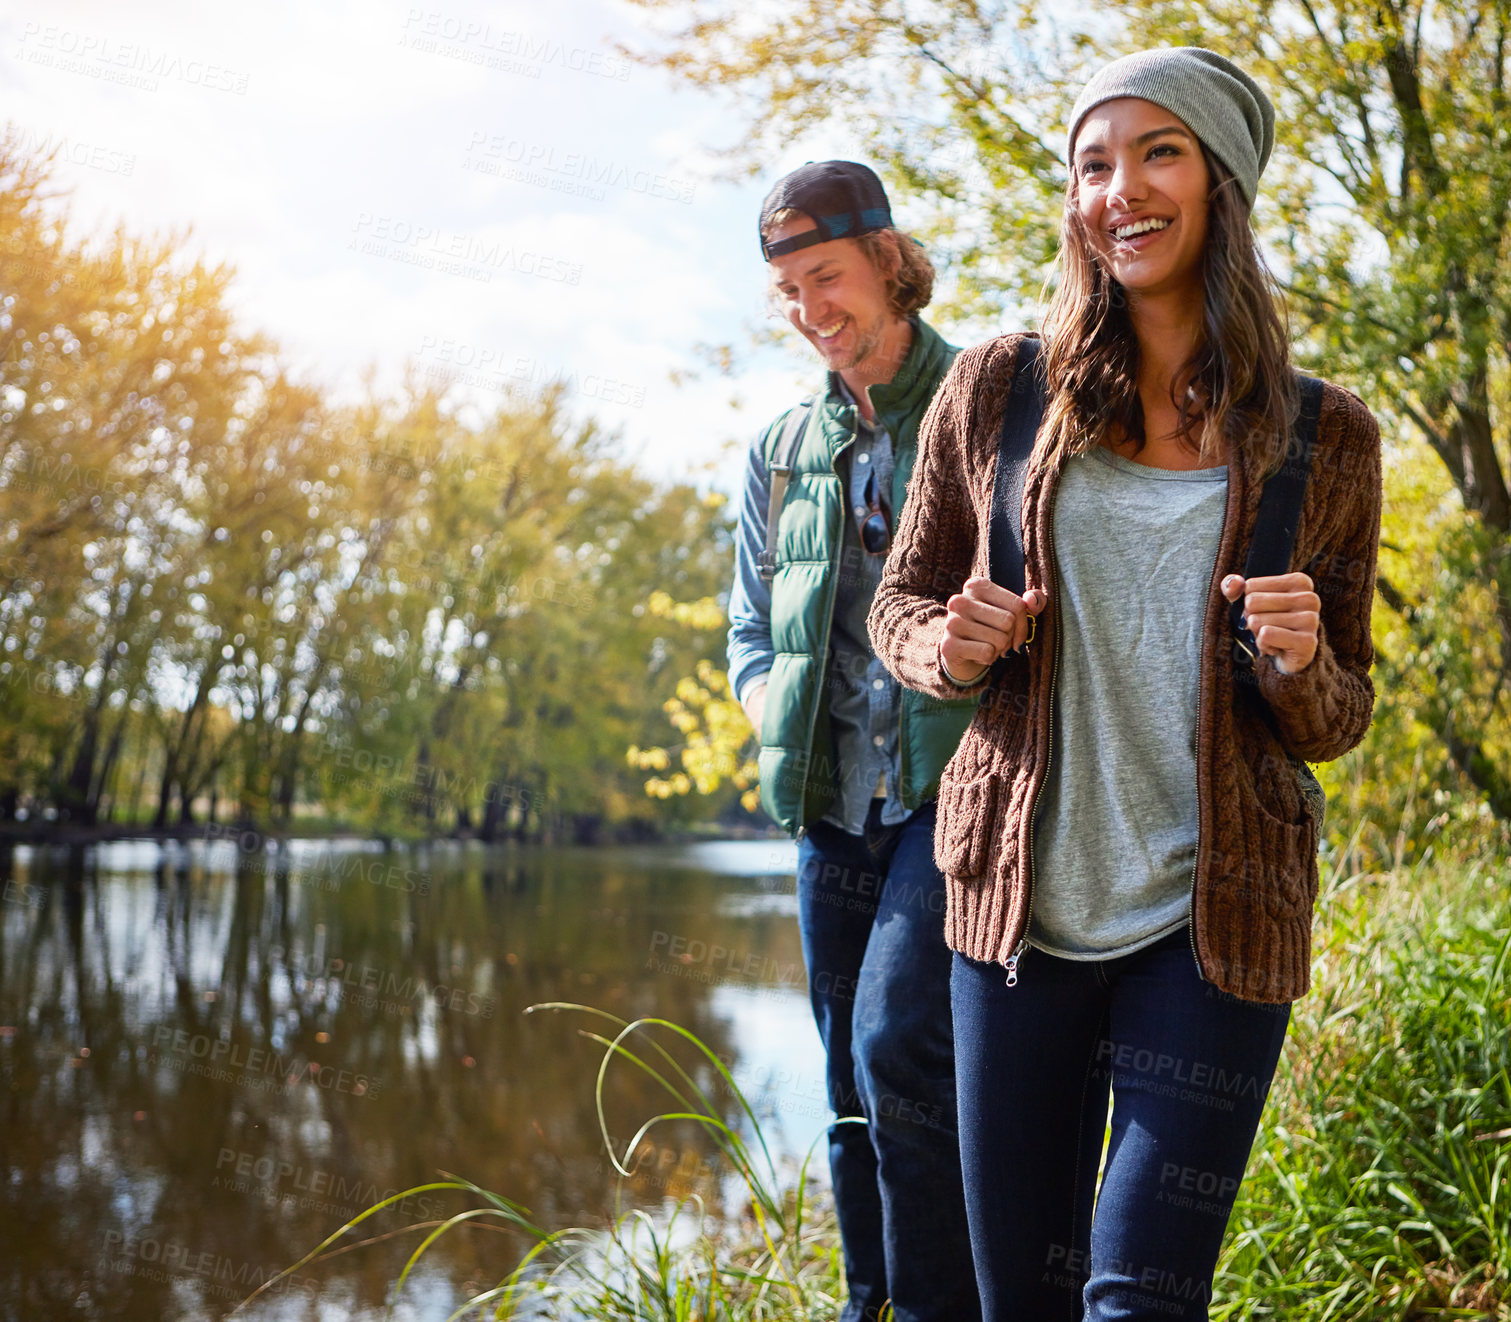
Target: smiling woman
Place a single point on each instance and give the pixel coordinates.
(1131, 869)
(1141, 191)
(1156, 226)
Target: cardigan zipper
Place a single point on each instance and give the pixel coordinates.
(1049, 748)
(1054, 670)
(1200, 677)
(1191, 921)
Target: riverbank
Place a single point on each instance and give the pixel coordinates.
(76, 835)
(1376, 1190)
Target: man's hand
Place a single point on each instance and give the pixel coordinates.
(984, 621)
(1283, 614)
(754, 705)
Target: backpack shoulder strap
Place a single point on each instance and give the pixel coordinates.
(1279, 512)
(1020, 427)
(779, 465)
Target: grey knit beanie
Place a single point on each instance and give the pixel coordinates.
(1220, 103)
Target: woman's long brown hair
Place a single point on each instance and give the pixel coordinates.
(1240, 374)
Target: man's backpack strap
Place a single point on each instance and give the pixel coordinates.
(1020, 425)
(1279, 514)
(783, 455)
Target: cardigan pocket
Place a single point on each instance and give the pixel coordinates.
(1285, 871)
(967, 817)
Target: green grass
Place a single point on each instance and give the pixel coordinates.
(687, 1269)
(1379, 1185)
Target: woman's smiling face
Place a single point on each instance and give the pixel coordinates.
(1141, 188)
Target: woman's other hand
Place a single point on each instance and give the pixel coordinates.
(1283, 614)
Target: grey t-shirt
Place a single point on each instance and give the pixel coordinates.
(1115, 831)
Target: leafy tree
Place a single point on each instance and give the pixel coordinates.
(716, 735)
(116, 360)
(214, 583)
(515, 656)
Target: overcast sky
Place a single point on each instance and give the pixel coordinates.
(467, 186)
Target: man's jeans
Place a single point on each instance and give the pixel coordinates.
(1189, 1068)
(871, 911)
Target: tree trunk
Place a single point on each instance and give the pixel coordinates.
(176, 743)
(164, 791)
(1466, 753)
(493, 817)
(135, 805)
(108, 763)
(74, 802)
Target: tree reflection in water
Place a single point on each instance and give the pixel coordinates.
(212, 1056)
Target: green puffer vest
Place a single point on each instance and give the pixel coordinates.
(799, 774)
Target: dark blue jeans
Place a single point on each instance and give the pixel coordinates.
(1188, 1067)
(871, 911)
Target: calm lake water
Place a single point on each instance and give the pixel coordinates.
(211, 1058)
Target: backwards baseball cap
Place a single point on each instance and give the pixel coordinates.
(844, 199)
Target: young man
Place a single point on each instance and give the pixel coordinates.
(850, 761)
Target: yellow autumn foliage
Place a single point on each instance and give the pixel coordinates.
(717, 738)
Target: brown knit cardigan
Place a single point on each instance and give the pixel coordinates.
(1255, 878)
